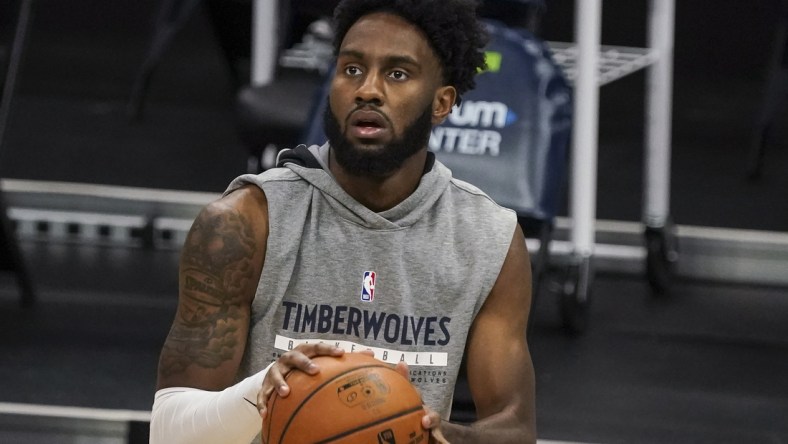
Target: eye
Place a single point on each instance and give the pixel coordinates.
(399, 75)
(353, 71)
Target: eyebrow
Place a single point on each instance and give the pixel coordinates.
(391, 60)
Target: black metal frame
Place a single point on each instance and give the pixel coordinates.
(10, 255)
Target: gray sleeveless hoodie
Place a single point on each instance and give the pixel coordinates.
(406, 282)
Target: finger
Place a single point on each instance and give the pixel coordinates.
(320, 349)
(402, 369)
(431, 419)
(262, 399)
(432, 422)
(300, 357)
(275, 379)
(367, 352)
(436, 436)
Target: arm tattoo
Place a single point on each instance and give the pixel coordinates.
(216, 272)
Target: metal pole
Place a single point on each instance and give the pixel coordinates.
(656, 192)
(264, 41)
(588, 20)
(14, 61)
(9, 248)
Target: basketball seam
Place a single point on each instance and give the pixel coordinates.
(370, 424)
(316, 390)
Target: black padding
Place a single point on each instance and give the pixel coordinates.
(276, 113)
(299, 155)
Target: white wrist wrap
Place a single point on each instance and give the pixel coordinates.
(188, 415)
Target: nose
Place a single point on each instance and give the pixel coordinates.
(370, 90)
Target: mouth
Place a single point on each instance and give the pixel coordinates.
(367, 125)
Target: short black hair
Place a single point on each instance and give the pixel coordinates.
(451, 26)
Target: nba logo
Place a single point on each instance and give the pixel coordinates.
(368, 287)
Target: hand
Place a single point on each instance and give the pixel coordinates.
(431, 420)
(299, 359)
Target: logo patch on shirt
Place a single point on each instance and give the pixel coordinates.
(368, 286)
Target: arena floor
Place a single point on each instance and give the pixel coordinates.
(706, 364)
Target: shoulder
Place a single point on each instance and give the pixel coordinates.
(471, 190)
(467, 192)
(244, 197)
(473, 200)
(263, 179)
(244, 209)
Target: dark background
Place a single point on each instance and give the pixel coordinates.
(68, 120)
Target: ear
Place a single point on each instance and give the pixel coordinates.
(442, 103)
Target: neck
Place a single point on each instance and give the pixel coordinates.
(381, 193)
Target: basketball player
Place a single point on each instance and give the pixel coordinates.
(364, 243)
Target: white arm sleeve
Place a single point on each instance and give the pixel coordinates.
(188, 415)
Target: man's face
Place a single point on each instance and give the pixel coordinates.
(384, 96)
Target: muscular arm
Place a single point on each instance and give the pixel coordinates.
(220, 266)
(198, 400)
(500, 371)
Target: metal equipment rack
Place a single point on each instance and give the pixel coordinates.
(589, 65)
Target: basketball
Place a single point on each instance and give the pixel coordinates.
(354, 399)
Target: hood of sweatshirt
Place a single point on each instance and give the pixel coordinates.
(310, 163)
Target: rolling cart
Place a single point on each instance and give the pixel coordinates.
(589, 65)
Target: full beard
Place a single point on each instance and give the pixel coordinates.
(385, 160)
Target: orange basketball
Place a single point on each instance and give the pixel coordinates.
(354, 399)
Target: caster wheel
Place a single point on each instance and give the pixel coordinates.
(661, 258)
(575, 296)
